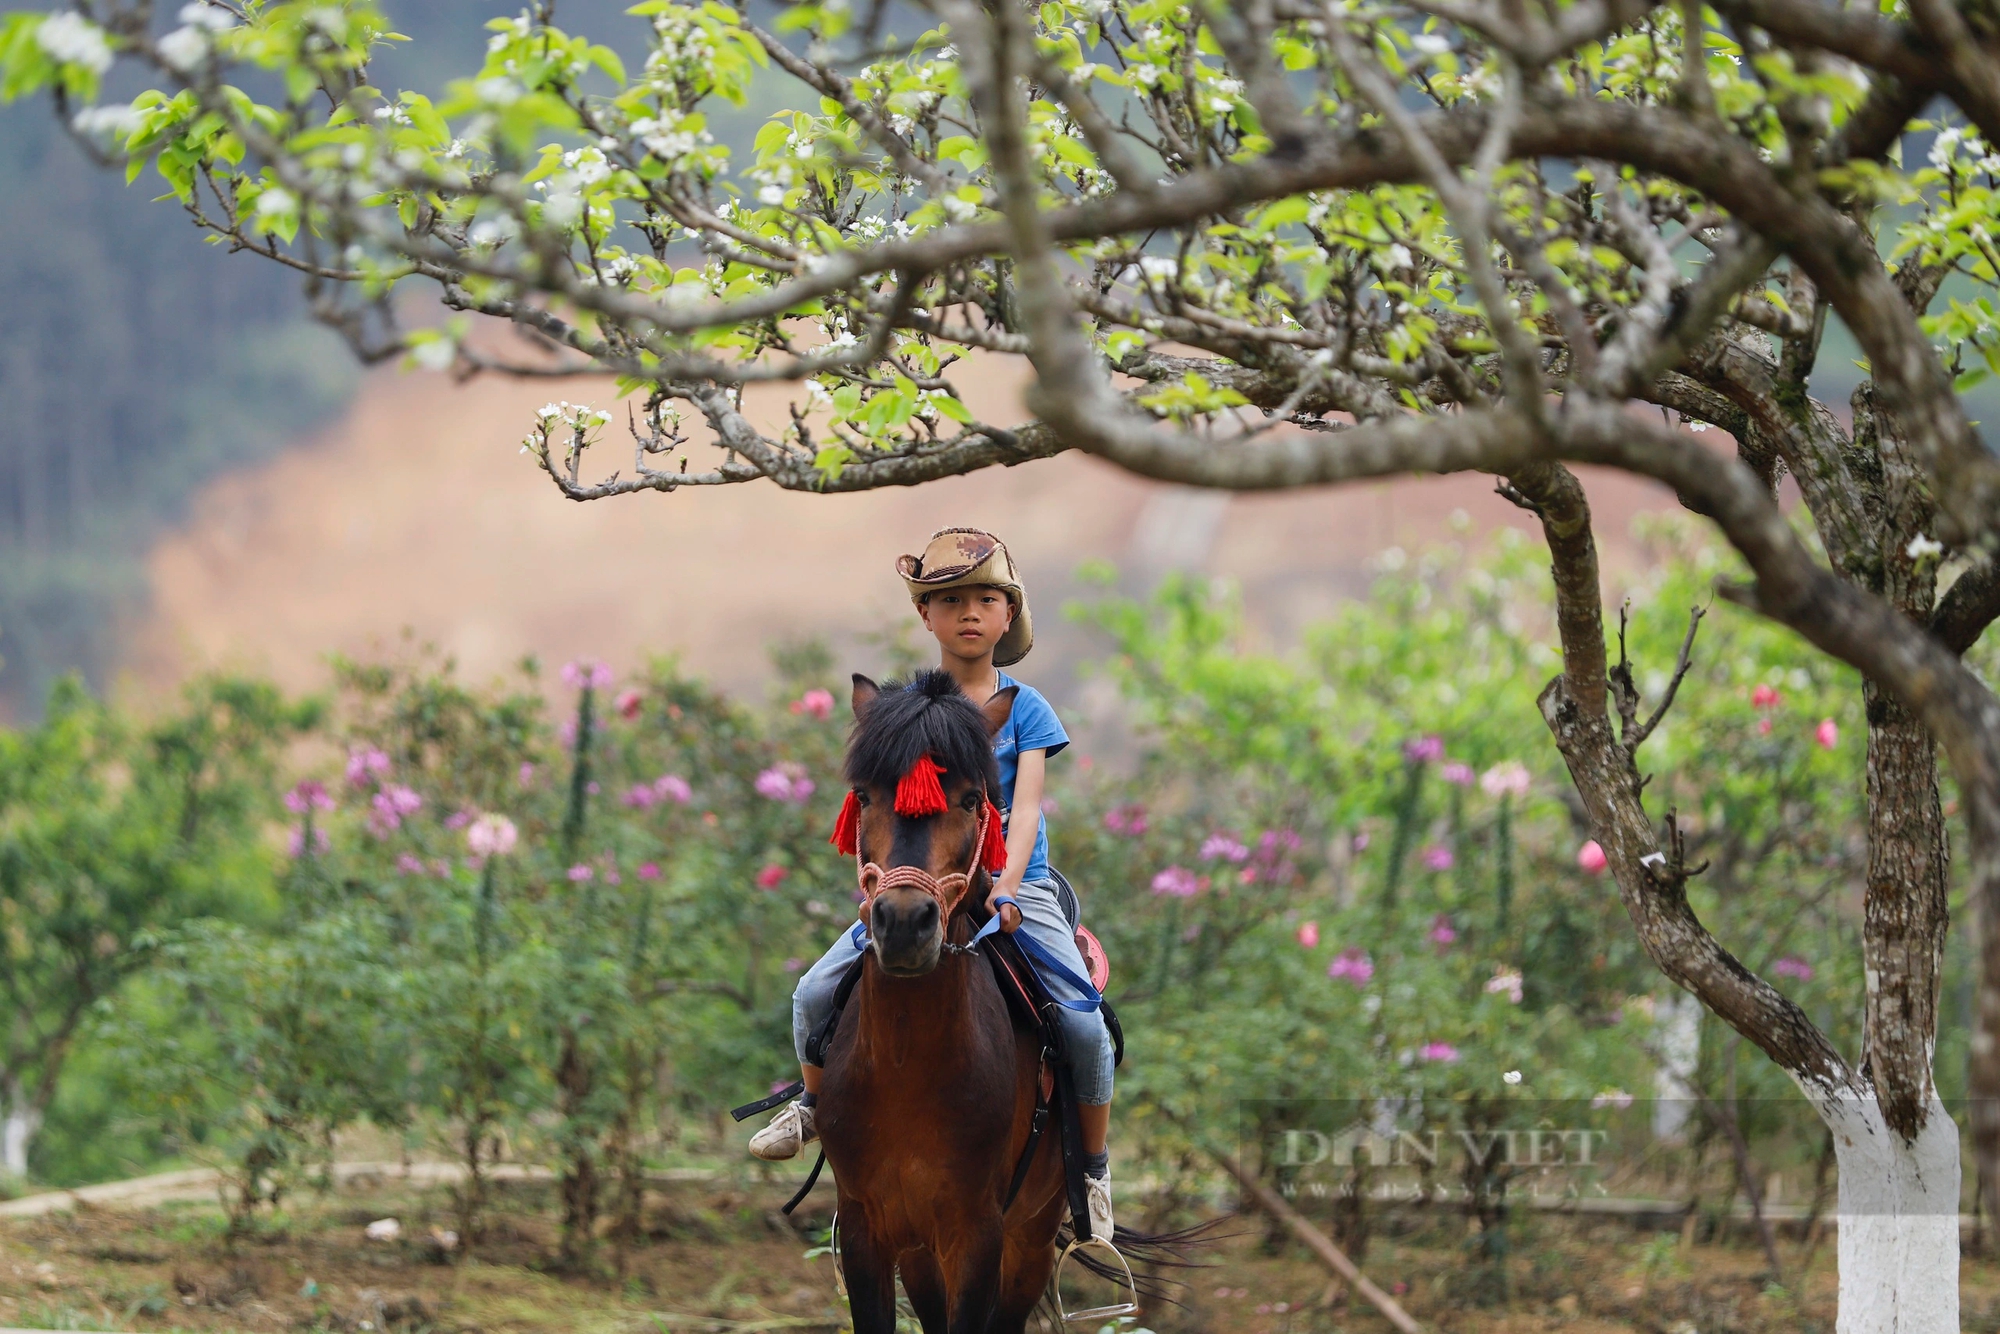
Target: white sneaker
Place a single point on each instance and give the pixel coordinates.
(1097, 1190)
(789, 1131)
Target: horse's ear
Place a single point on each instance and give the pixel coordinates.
(999, 709)
(865, 692)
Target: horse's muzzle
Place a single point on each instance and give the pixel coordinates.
(908, 931)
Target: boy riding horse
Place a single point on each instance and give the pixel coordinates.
(969, 595)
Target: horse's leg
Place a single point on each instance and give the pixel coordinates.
(871, 1281)
(924, 1282)
(1024, 1276)
(975, 1277)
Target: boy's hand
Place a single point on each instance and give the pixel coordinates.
(1010, 915)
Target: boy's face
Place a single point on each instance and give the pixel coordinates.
(968, 622)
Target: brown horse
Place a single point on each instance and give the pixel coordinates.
(930, 1085)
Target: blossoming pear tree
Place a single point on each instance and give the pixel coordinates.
(1255, 245)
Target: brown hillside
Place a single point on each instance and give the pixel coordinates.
(418, 511)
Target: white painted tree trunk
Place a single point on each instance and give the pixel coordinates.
(16, 1130)
(1898, 1214)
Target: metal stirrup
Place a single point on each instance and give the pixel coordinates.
(1097, 1312)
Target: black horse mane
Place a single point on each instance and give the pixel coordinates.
(925, 715)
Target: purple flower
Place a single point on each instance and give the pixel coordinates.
(1353, 964)
(1793, 966)
(1455, 772)
(586, 672)
(674, 788)
(1424, 749)
(525, 775)
(1271, 841)
(309, 795)
(409, 864)
(1442, 932)
(1441, 1053)
(365, 764)
(785, 782)
(296, 844)
(1359, 842)
(1437, 858)
(1223, 847)
(459, 819)
(491, 836)
(649, 870)
(1505, 982)
(390, 805)
(1176, 882)
(1129, 820)
(640, 797)
(580, 873)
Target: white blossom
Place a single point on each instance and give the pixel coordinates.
(118, 121)
(199, 15)
(184, 48)
(74, 40)
(1923, 548)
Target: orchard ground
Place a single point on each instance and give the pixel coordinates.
(717, 1255)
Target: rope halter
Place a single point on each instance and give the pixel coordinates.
(920, 794)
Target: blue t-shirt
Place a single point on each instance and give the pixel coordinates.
(1032, 725)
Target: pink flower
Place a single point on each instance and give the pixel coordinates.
(1763, 727)
(1223, 847)
(459, 819)
(1793, 966)
(580, 873)
(296, 843)
(793, 965)
(674, 788)
(640, 797)
(1128, 820)
(1455, 772)
(409, 865)
(769, 877)
(1442, 932)
(525, 775)
(1765, 697)
(390, 805)
(308, 796)
(815, 703)
(1309, 934)
(1826, 734)
(1507, 982)
(1437, 858)
(1508, 778)
(1424, 749)
(586, 672)
(649, 870)
(491, 836)
(628, 704)
(1591, 857)
(1359, 842)
(366, 764)
(785, 782)
(1176, 882)
(1353, 964)
(1440, 1053)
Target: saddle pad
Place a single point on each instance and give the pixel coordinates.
(1096, 961)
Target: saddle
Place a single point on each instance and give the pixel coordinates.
(1029, 1002)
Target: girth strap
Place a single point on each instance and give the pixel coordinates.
(812, 1179)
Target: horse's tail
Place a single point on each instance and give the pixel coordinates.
(1148, 1253)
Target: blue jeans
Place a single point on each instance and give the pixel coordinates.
(1086, 1040)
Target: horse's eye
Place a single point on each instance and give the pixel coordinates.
(860, 797)
(970, 801)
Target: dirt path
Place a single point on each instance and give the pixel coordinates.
(201, 1183)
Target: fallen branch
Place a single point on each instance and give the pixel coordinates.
(1317, 1242)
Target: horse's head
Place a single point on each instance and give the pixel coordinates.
(911, 742)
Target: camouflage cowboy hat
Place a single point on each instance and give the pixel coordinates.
(961, 558)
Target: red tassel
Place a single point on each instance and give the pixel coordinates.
(847, 829)
(993, 852)
(919, 792)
